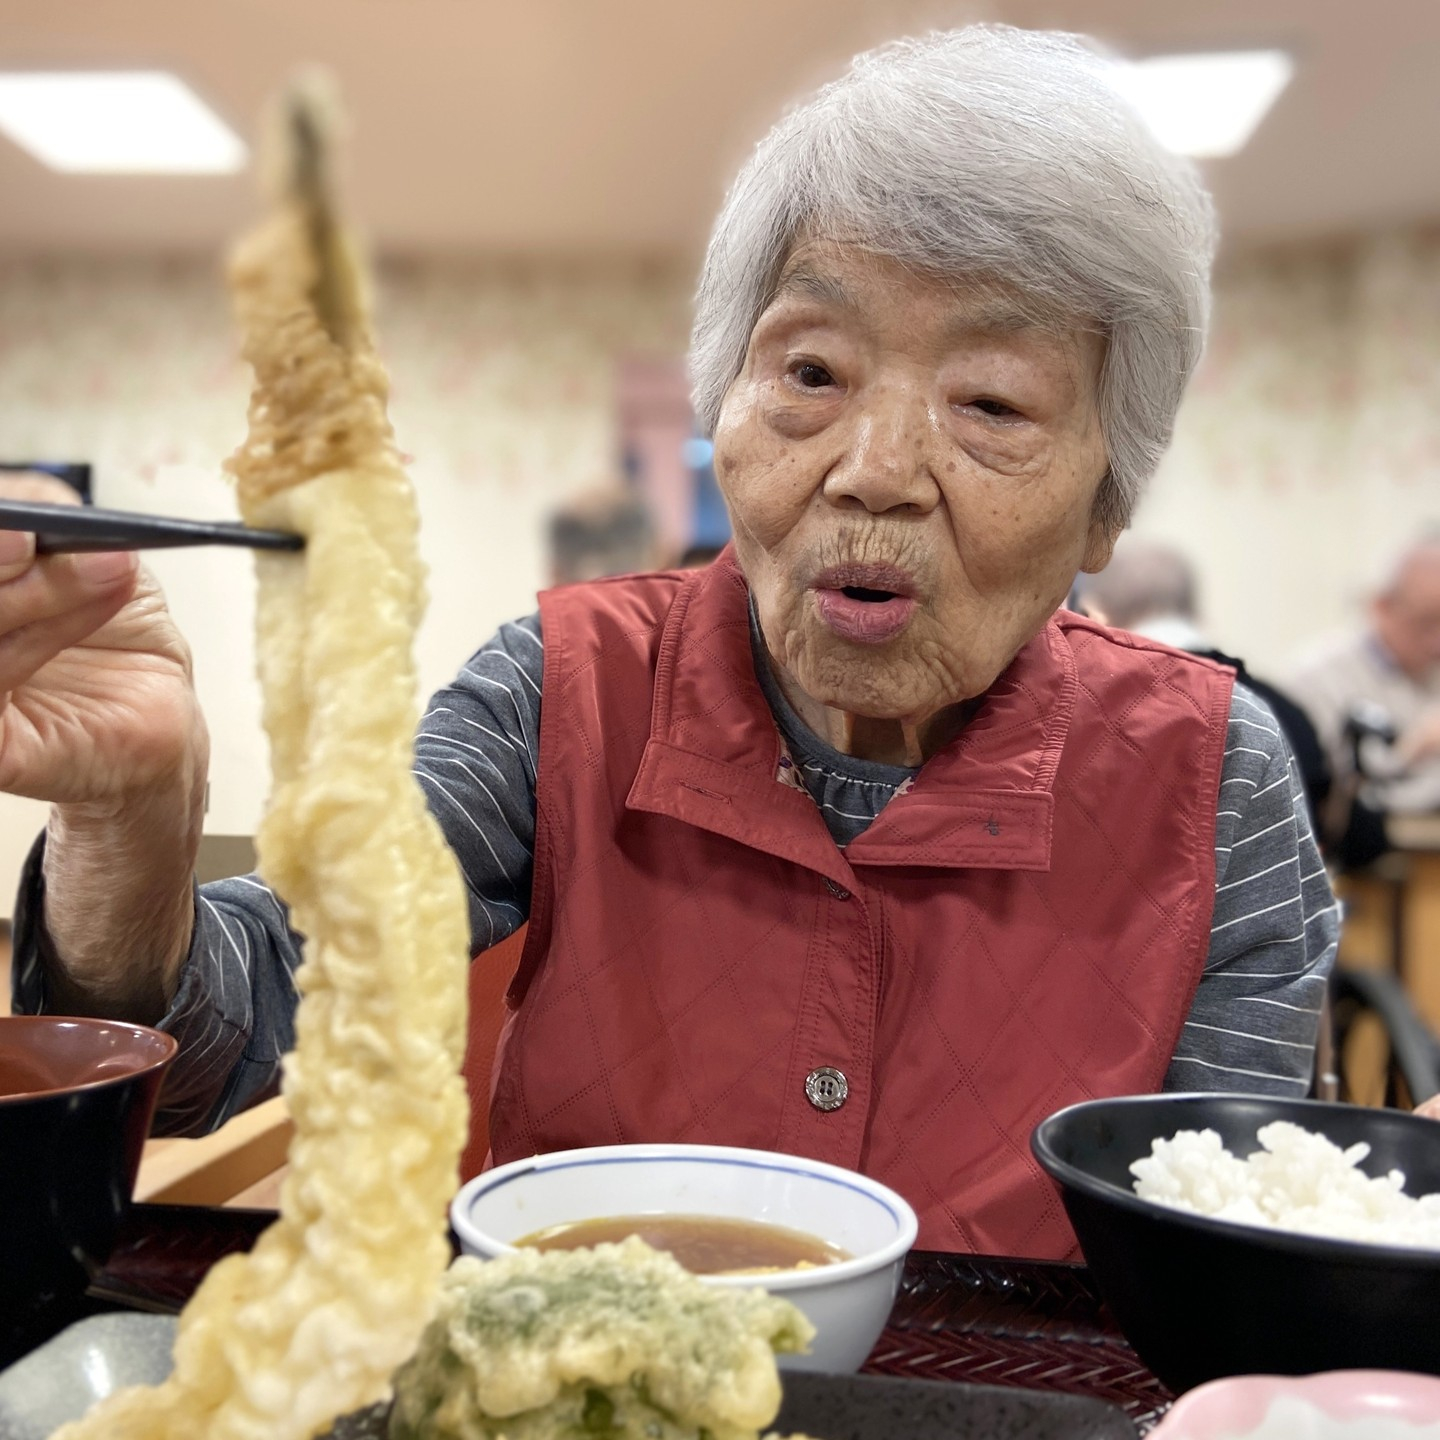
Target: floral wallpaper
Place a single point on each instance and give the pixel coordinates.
(505, 374)
(1318, 357)
(1308, 449)
(504, 398)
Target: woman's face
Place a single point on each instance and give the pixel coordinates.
(911, 470)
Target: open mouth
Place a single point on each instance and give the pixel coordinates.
(865, 614)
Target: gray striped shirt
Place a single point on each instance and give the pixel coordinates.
(1251, 1027)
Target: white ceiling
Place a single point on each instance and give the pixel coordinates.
(566, 127)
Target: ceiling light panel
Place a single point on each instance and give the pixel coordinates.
(137, 122)
(1205, 105)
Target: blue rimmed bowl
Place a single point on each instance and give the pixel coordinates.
(847, 1302)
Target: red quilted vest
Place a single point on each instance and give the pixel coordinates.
(1024, 928)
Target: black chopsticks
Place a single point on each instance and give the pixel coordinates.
(61, 528)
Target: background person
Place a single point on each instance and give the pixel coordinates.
(604, 532)
(1151, 590)
(1393, 666)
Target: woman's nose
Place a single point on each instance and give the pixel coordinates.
(886, 461)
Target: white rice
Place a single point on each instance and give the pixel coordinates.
(1299, 1181)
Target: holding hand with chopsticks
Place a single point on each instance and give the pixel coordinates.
(98, 716)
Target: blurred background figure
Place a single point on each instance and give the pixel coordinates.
(1147, 588)
(1150, 589)
(694, 556)
(1374, 694)
(604, 532)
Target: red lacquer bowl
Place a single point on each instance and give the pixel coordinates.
(76, 1100)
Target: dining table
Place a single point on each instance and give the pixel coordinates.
(963, 1319)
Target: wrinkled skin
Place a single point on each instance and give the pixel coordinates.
(96, 699)
(98, 715)
(883, 418)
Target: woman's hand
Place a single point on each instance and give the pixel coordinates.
(96, 700)
(98, 715)
(1430, 1109)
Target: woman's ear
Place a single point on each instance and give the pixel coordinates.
(1109, 519)
(1101, 537)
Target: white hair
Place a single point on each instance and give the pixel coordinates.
(990, 154)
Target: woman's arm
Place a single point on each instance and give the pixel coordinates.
(233, 1004)
(98, 716)
(1253, 1023)
(475, 758)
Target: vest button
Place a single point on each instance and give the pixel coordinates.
(826, 1088)
(838, 891)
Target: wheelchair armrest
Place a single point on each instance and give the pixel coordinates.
(1416, 1050)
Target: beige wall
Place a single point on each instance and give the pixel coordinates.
(1309, 447)
(503, 395)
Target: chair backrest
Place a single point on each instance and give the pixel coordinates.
(490, 976)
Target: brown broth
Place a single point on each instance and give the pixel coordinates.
(703, 1244)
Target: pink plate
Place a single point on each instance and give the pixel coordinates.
(1352, 1401)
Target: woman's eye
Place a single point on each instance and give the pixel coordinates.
(812, 376)
(998, 408)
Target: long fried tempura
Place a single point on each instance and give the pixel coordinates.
(314, 1321)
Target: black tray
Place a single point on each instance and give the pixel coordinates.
(875, 1407)
(63, 1378)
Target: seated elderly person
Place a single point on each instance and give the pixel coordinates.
(1391, 668)
(1150, 588)
(607, 531)
(853, 843)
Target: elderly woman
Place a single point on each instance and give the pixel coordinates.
(854, 844)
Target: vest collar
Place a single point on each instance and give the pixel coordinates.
(984, 801)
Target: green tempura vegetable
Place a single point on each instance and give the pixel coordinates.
(614, 1343)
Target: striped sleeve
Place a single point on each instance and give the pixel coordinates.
(1273, 932)
(475, 759)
